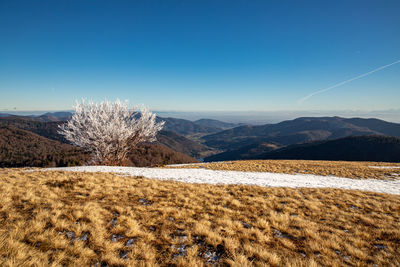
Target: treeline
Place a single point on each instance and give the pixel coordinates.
(42, 128)
(155, 155)
(21, 148)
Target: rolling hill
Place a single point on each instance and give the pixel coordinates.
(21, 148)
(353, 148)
(300, 130)
(216, 124)
(384, 127)
(42, 128)
(49, 130)
(245, 152)
(206, 138)
(145, 155)
(183, 145)
(186, 127)
(180, 126)
(54, 116)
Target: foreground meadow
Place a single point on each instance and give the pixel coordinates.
(102, 219)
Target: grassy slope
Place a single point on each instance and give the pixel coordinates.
(348, 169)
(54, 218)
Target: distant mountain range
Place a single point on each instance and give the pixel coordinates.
(217, 124)
(172, 145)
(189, 128)
(299, 131)
(180, 126)
(353, 148)
(215, 140)
(54, 116)
(49, 129)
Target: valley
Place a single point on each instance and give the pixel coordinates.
(313, 138)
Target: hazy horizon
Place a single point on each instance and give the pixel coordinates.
(251, 117)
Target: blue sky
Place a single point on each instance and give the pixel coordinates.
(200, 55)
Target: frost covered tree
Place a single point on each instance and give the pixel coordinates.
(109, 130)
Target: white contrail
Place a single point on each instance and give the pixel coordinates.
(301, 100)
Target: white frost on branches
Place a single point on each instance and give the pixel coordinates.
(110, 130)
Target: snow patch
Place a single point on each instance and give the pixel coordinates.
(385, 167)
(205, 176)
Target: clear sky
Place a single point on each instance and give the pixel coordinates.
(201, 55)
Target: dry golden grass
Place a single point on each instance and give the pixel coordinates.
(98, 219)
(348, 169)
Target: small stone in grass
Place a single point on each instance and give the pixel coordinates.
(211, 256)
(70, 235)
(84, 237)
(130, 242)
(380, 246)
(247, 225)
(115, 238)
(123, 254)
(346, 258)
(279, 234)
(181, 249)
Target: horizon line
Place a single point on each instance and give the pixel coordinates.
(222, 111)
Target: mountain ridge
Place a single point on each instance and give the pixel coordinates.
(352, 148)
(300, 130)
(22, 148)
(242, 142)
(49, 129)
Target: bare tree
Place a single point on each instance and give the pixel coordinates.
(110, 130)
